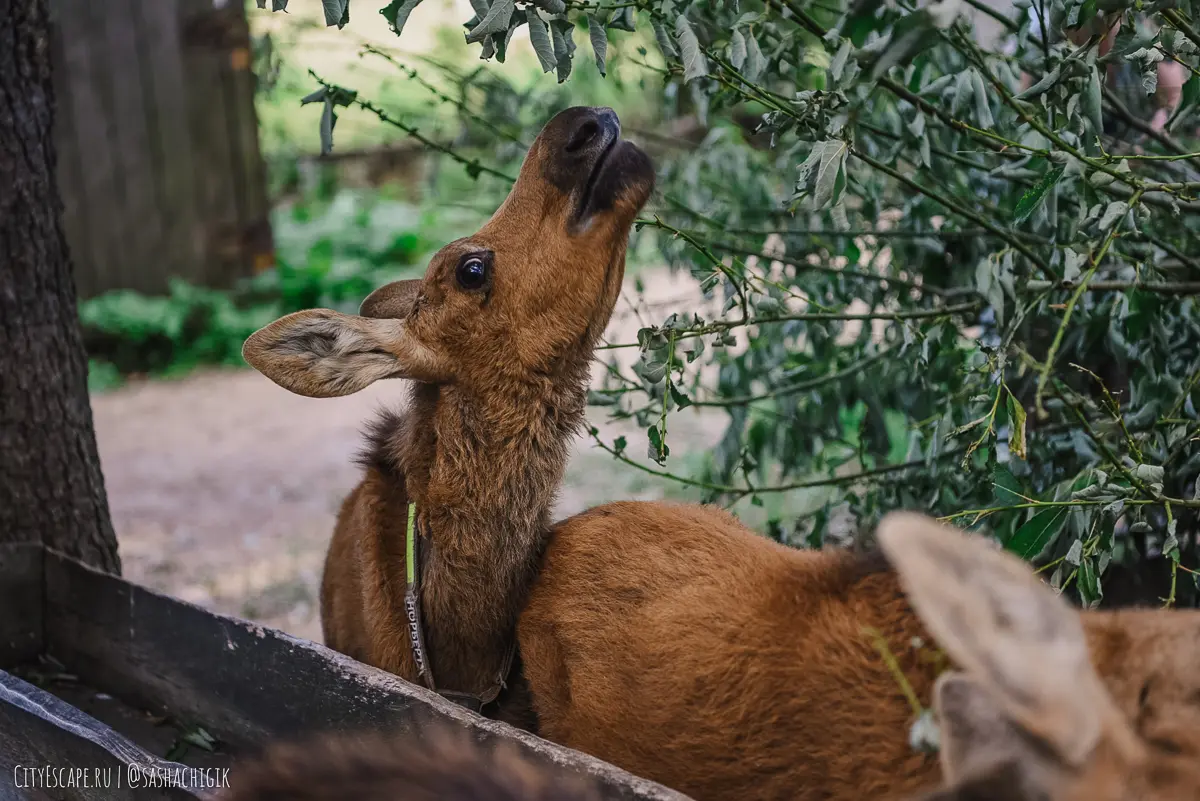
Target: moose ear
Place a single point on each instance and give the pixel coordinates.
(321, 353)
(1006, 629)
(392, 301)
(976, 735)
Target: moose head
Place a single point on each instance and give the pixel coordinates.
(537, 283)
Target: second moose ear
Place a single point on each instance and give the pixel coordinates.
(321, 353)
(1006, 629)
(393, 301)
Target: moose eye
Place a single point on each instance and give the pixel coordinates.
(472, 272)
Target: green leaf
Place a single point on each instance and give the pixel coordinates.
(1034, 195)
(314, 97)
(396, 13)
(820, 172)
(333, 11)
(278, 5)
(1072, 262)
(595, 398)
(983, 111)
(657, 450)
(1114, 212)
(694, 64)
(623, 20)
(328, 120)
(549, 6)
(562, 35)
(910, 35)
(767, 306)
(1041, 86)
(539, 37)
(962, 90)
(664, 40)
(1092, 101)
(1074, 554)
(937, 84)
(681, 400)
(337, 12)
(599, 39)
(755, 61)
(1148, 58)
(1007, 489)
(500, 40)
(496, 21)
(200, 738)
(1090, 591)
(1016, 421)
(737, 49)
(1033, 537)
(1149, 473)
(839, 60)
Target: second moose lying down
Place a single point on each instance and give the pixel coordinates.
(673, 642)
(1027, 719)
(498, 338)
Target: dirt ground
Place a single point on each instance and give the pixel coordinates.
(224, 488)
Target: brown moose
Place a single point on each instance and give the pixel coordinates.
(1026, 719)
(498, 339)
(674, 642)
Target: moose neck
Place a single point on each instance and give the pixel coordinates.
(483, 470)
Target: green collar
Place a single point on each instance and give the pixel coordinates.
(416, 633)
(410, 544)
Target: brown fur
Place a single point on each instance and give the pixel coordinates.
(437, 767)
(500, 379)
(675, 643)
(1024, 718)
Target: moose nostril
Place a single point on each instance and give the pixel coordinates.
(583, 136)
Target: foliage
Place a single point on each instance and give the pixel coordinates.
(330, 254)
(938, 275)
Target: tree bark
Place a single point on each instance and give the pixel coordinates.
(51, 487)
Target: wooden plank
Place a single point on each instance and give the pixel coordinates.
(99, 258)
(47, 745)
(247, 684)
(204, 28)
(257, 246)
(20, 602)
(118, 43)
(171, 144)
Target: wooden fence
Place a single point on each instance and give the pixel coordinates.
(158, 157)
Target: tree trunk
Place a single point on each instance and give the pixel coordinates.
(51, 487)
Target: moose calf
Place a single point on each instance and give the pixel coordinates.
(436, 547)
(674, 642)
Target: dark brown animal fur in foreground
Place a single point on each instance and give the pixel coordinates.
(440, 766)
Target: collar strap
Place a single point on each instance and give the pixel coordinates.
(416, 632)
(412, 600)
